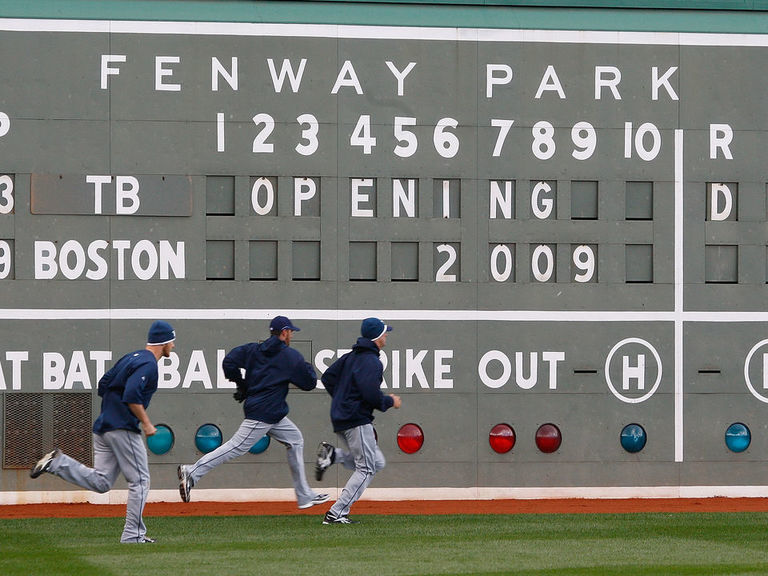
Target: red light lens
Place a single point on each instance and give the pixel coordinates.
(548, 438)
(410, 438)
(502, 438)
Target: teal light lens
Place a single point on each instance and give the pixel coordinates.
(737, 437)
(208, 438)
(161, 441)
(260, 446)
(633, 438)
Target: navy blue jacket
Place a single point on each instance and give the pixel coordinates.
(132, 380)
(269, 367)
(354, 382)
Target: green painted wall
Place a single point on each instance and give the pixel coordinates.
(716, 16)
(653, 311)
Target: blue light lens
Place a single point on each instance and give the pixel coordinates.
(208, 438)
(633, 438)
(260, 446)
(737, 437)
(161, 441)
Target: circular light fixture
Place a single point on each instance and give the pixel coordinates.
(208, 438)
(502, 438)
(633, 438)
(410, 438)
(548, 438)
(161, 441)
(737, 437)
(260, 446)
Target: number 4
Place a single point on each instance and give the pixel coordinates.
(361, 135)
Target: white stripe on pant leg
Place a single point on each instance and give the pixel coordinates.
(236, 446)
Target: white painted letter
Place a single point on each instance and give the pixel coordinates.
(550, 82)
(715, 214)
(160, 72)
(720, 136)
(347, 77)
(401, 197)
(106, 71)
(217, 69)
(286, 70)
(400, 75)
(126, 195)
(491, 79)
(657, 82)
(611, 82)
(359, 197)
(303, 189)
(442, 369)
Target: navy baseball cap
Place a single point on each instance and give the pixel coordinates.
(280, 323)
(373, 328)
(160, 333)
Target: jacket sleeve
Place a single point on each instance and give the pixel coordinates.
(303, 375)
(233, 362)
(369, 378)
(141, 385)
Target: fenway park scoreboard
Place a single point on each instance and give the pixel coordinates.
(566, 229)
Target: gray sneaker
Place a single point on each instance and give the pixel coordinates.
(318, 499)
(44, 464)
(326, 455)
(185, 483)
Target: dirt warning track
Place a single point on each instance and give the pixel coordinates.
(553, 506)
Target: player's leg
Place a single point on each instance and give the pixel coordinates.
(342, 455)
(379, 460)
(288, 434)
(249, 432)
(362, 445)
(100, 478)
(131, 455)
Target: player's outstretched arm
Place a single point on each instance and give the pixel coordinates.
(140, 413)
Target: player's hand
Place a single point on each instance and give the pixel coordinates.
(240, 395)
(149, 429)
(397, 400)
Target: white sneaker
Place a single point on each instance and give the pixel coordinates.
(318, 499)
(44, 464)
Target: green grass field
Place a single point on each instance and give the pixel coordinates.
(563, 544)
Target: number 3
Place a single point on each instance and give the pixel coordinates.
(6, 194)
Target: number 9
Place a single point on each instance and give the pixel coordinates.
(5, 259)
(584, 260)
(587, 143)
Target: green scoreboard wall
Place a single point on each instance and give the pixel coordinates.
(568, 230)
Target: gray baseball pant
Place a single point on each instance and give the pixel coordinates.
(113, 452)
(362, 451)
(250, 432)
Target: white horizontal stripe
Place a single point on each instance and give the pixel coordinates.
(388, 315)
(383, 32)
(396, 494)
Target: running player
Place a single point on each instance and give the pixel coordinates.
(269, 367)
(354, 382)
